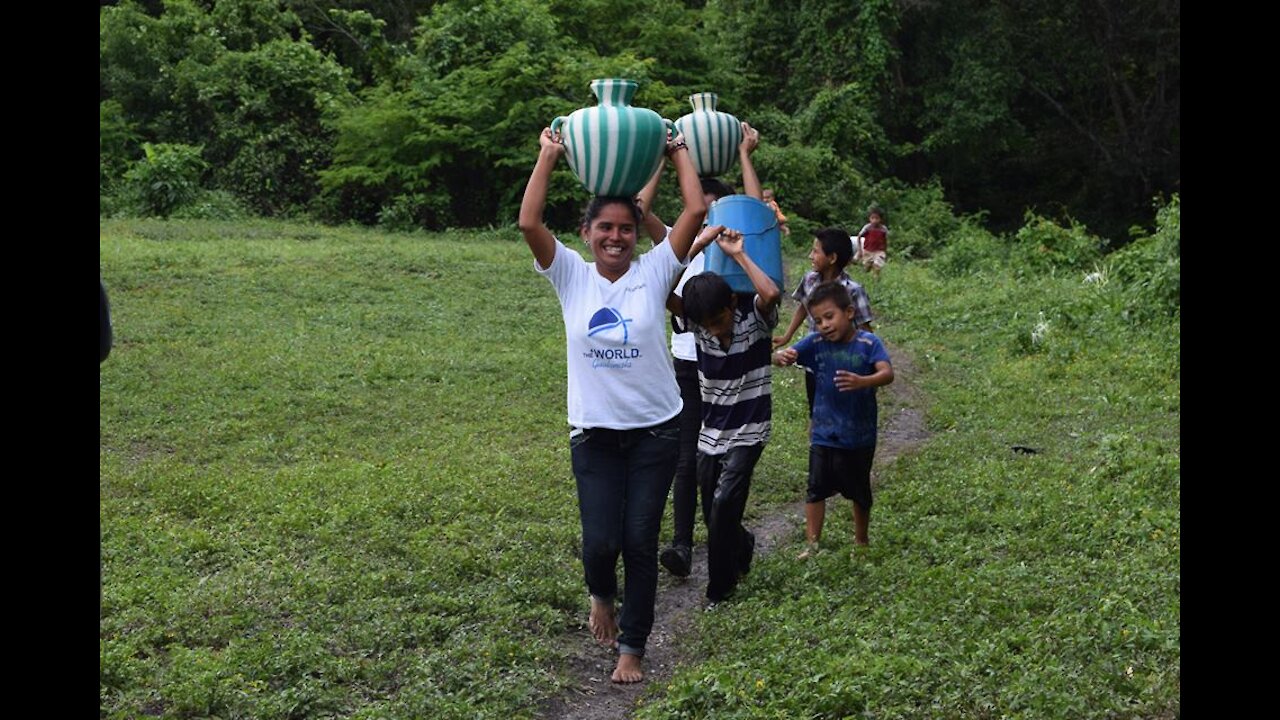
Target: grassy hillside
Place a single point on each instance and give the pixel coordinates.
(335, 483)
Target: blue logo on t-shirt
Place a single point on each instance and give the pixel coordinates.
(608, 323)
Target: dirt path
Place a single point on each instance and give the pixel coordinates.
(591, 696)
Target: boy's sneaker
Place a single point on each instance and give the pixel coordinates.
(677, 559)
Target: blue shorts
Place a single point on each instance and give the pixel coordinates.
(841, 470)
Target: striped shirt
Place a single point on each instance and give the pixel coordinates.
(736, 383)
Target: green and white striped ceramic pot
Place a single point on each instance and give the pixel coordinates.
(613, 148)
(713, 136)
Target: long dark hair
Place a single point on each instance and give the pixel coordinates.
(600, 202)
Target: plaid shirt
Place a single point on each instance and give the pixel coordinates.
(861, 305)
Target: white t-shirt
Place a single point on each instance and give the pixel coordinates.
(620, 376)
(683, 344)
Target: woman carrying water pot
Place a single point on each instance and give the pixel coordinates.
(623, 400)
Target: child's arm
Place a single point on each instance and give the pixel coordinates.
(705, 238)
(791, 355)
(767, 293)
(536, 234)
(782, 218)
(750, 181)
(861, 307)
(847, 380)
(796, 319)
(675, 304)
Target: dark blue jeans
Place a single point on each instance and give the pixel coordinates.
(623, 477)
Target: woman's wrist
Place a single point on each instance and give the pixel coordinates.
(677, 145)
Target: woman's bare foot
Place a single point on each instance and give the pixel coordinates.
(603, 622)
(628, 670)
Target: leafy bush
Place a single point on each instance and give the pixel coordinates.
(1150, 268)
(811, 182)
(237, 78)
(920, 218)
(1032, 336)
(117, 144)
(404, 213)
(213, 205)
(274, 108)
(460, 129)
(843, 117)
(165, 179)
(970, 251)
(776, 127)
(1044, 246)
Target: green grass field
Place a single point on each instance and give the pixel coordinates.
(335, 483)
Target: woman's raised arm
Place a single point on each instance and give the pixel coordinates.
(695, 207)
(536, 234)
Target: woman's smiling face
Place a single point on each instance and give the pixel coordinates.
(612, 238)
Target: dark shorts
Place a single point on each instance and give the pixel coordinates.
(837, 470)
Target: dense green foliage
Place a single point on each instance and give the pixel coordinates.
(167, 177)
(239, 80)
(335, 482)
(424, 114)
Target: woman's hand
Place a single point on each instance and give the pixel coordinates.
(551, 142)
(536, 234)
(786, 357)
(750, 138)
(675, 144)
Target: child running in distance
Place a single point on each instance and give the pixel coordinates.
(772, 202)
(873, 243)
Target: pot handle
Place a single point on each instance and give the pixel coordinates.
(555, 126)
(672, 131)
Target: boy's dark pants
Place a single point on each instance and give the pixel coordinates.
(684, 490)
(724, 481)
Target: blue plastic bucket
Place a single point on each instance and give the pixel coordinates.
(761, 239)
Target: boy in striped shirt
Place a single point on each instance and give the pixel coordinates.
(734, 344)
